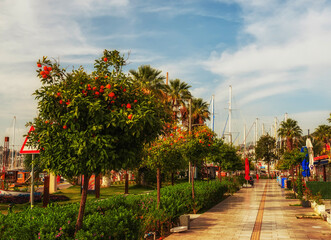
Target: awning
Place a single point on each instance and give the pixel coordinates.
(322, 162)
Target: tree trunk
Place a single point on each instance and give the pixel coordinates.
(219, 174)
(172, 179)
(46, 191)
(192, 174)
(158, 179)
(126, 190)
(79, 222)
(268, 169)
(289, 143)
(97, 186)
(207, 172)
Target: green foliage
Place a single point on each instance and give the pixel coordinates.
(290, 159)
(234, 183)
(322, 133)
(290, 130)
(165, 152)
(322, 187)
(227, 157)
(198, 145)
(118, 217)
(265, 148)
(91, 123)
(299, 187)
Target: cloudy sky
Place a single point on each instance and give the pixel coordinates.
(276, 54)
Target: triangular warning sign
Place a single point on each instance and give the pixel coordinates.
(29, 149)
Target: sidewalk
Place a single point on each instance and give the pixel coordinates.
(235, 217)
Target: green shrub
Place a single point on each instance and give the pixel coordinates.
(322, 187)
(118, 217)
(299, 187)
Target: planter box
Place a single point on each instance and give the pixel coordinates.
(320, 208)
(305, 203)
(328, 217)
(317, 208)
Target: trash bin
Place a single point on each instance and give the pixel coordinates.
(283, 182)
(289, 184)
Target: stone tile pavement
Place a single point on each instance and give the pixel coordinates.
(234, 218)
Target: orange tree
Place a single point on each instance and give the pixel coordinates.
(164, 154)
(196, 147)
(90, 123)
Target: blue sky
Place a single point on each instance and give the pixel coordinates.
(276, 54)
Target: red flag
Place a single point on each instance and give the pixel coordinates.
(246, 169)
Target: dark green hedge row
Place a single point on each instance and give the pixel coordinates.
(323, 187)
(118, 217)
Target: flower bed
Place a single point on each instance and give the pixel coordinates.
(118, 217)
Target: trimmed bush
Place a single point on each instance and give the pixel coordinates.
(118, 217)
(26, 198)
(323, 187)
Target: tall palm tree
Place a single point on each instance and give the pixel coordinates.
(149, 79)
(323, 133)
(200, 111)
(290, 130)
(177, 93)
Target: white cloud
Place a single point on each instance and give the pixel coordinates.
(289, 50)
(310, 119)
(31, 29)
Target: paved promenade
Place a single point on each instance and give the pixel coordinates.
(245, 216)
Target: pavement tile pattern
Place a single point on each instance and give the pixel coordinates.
(235, 217)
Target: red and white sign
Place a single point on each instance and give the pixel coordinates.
(29, 149)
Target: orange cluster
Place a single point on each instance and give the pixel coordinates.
(204, 135)
(45, 72)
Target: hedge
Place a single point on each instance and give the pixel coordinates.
(323, 187)
(118, 217)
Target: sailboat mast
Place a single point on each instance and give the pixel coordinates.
(275, 130)
(245, 140)
(230, 113)
(255, 132)
(13, 150)
(213, 113)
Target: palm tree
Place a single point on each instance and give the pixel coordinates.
(290, 130)
(177, 93)
(323, 133)
(149, 78)
(200, 111)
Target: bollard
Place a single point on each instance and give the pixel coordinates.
(184, 220)
(10, 207)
